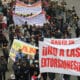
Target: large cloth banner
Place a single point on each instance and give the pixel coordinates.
(37, 20)
(32, 14)
(63, 41)
(64, 59)
(25, 9)
(25, 47)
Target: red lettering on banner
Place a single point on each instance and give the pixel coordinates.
(44, 51)
(24, 49)
(67, 52)
(32, 50)
(79, 67)
(77, 52)
(43, 62)
(53, 62)
(52, 51)
(75, 65)
(68, 64)
(27, 49)
(71, 42)
(59, 42)
(61, 52)
(62, 42)
(49, 51)
(57, 63)
(48, 62)
(73, 52)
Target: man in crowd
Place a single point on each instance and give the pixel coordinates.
(19, 55)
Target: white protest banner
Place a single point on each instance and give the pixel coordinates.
(33, 14)
(25, 47)
(63, 41)
(64, 59)
(37, 20)
(25, 9)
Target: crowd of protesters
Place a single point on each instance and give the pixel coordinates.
(60, 23)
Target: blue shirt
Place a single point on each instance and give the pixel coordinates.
(19, 56)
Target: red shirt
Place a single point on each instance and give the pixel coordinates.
(34, 77)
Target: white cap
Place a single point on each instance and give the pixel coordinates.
(12, 76)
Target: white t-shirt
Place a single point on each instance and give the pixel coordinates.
(4, 20)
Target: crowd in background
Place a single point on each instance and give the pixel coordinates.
(60, 22)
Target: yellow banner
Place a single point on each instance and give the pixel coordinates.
(25, 47)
